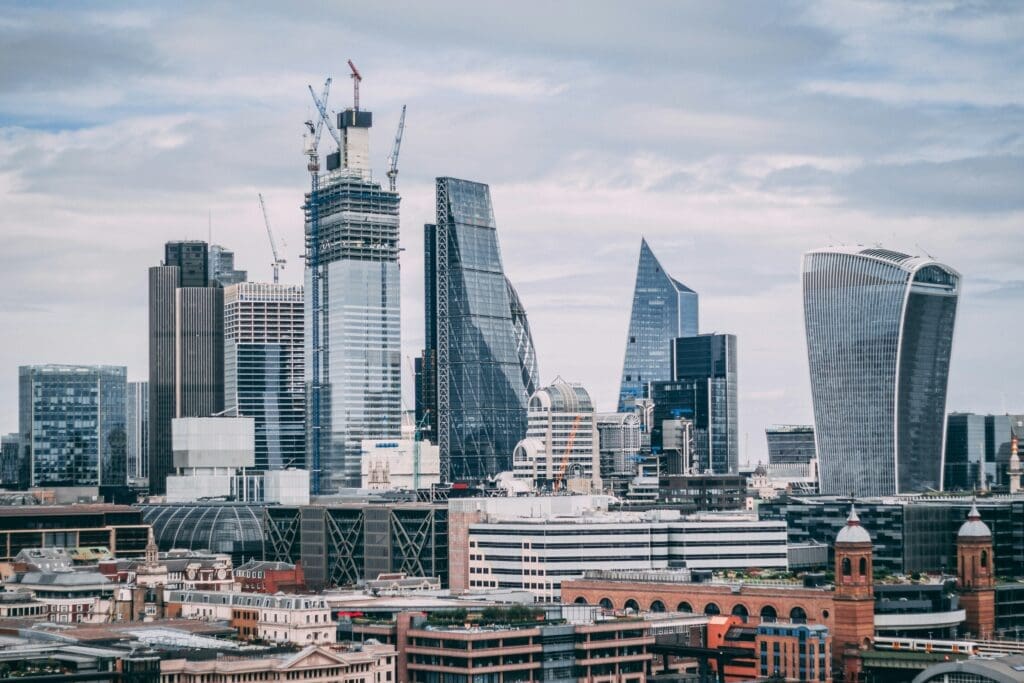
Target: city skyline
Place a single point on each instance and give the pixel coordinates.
(868, 147)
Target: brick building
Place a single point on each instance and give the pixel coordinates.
(256, 576)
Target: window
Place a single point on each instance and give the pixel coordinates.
(863, 566)
(984, 558)
(847, 567)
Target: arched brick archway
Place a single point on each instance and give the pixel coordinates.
(740, 610)
(768, 613)
(580, 601)
(606, 603)
(684, 607)
(658, 606)
(712, 608)
(631, 604)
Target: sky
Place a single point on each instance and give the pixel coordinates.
(733, 136)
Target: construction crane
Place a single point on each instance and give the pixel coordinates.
(279, 262)
(325, 116)
(313, 263)
(568, 452)
(357, 78)
(393, 158)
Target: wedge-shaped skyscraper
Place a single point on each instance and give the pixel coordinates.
(663, 309)
(479, 367)
(879, 333)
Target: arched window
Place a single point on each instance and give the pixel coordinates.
(984, 558)
(847, 566)
(711, 609)
(658, 606)
(580, 600)
(798, 615)
(740, 610)
(684, 607)
(606, 603)
(633, 605)
(863, 566)
(768, 613)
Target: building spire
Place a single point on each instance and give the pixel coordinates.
(152, 552)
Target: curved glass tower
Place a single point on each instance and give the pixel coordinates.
(879, 333)
(479, 367)
(663, 309)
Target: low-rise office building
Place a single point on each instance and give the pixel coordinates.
(296, 619)
(312, 664)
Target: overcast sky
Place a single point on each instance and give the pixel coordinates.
(734, 136)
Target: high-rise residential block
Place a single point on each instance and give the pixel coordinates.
(357, 314)
(703, 390)
(186, 348)
(264, 351)
(72, 422)
(879, 329)
(561, 449)
(479, 366)
(137, 429)
(663, 309)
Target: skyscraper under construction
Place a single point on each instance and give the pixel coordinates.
(352, 317)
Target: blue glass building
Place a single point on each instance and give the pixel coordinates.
(479, 367)
(72, 422)
(359, 324)
(879, 333)
(663, 309)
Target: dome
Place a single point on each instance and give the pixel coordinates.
(234, 529)
(853, 532)
(760, 470)
(974, 527)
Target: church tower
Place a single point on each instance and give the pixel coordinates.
(854, 603)
(975, 575)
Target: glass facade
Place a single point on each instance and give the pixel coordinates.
(663, 309)
(232, 528)
(479, 367)
(360, 346)
(137, 426)
(264, 368)
(790, 444)
(72, 420)
(879, 334)
(977, 450)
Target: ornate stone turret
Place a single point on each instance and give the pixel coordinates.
(854, 619)
(975, 574)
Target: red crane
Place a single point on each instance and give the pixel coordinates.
(356, 79)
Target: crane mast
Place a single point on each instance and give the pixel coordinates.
(279, 262)
(393, 158)
(356, 80)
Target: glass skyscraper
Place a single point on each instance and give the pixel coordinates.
(977, 450)
(72, 420)
(359, 323)
(663, 309)
(479, 367)
(264, 368)
(703, 389)
(879, 333)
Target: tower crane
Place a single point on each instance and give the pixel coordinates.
(393, 158)
(279, 262)
(356, 80)
(568, 452)
(325, 117)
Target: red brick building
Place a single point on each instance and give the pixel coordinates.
(974, 573)
(270, 577)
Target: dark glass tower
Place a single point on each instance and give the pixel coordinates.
(704, 390)
(663, 309)
(479, 367)
(790, 444)
(72, 418)
(186, 349)
(879, 333)
(359, 316)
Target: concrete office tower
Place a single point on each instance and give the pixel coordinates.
(358, 317)
(264, 368)
(561, 449)
(72, 421)
(663, 309)
(879, 333)
(479, 366)
(137, 417)
(703, 390)
(186, 348)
